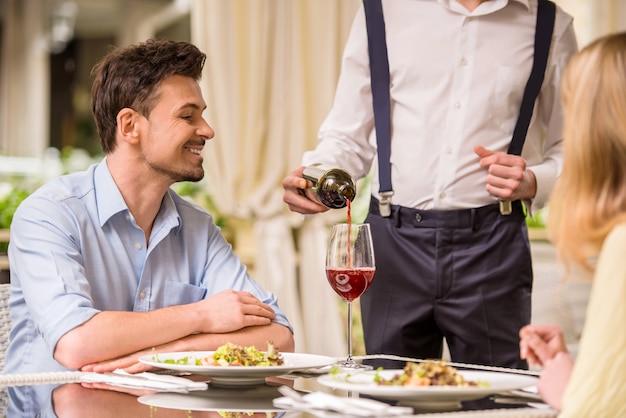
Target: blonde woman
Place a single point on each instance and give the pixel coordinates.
(588, 219)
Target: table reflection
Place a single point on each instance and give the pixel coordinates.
(230, 402)
(100, 401)
(75, 399)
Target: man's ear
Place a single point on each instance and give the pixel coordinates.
(128, 125)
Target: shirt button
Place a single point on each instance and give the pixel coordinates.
(448, 150)
(127, 217)
(142, 295)
(457, 104)
(442, 195)
(464, 61)
(418, 217)
(138, 245)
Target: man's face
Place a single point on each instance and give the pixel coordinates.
(176, 131)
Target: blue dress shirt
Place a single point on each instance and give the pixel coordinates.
(76, 250)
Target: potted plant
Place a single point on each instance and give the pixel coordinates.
(10, 199)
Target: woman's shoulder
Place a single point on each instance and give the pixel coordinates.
(617, 236)
(611, 257)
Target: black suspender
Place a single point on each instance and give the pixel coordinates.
(379, 70)
(546, 12)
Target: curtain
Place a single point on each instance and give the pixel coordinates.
(24, 79)
(269, 79)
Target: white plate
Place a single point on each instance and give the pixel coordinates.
(257, 399)
(428, 397)
(236, 375)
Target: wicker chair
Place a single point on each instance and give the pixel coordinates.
(5, 329)
(5, 321)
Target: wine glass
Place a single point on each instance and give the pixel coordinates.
(350, 269)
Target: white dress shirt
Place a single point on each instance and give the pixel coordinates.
(457, 80)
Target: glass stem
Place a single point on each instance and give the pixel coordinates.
(349, 331)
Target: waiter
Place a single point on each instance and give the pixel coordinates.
(449, 194)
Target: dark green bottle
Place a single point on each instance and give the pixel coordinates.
(333, 186)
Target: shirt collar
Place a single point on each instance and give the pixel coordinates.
(168, 213)
(486, 8)
(110, 202)
(526, 3)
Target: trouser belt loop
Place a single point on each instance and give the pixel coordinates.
(474, 219)
(399, 217)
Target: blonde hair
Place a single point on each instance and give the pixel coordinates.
(589, 199)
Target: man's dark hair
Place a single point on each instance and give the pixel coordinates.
(129, 77)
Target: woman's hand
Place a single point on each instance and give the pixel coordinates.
(540, 343)
(554, 378)
(544, 346)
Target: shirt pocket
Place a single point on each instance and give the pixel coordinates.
(506, 98)
(178, 293)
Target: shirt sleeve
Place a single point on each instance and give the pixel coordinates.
(46, 265)
(598, 384)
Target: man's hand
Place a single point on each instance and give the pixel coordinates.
(129, 363)
(298, 194)
(507, 178)
(541, 343)
(231, 310)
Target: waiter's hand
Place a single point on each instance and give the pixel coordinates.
(507, 178)
(298, 194)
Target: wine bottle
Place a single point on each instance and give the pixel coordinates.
(333, 186)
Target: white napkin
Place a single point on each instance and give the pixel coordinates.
(320, 401)
(145, 380)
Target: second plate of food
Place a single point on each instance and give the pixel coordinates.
(428, 397)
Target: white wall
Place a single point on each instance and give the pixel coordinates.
(594, 18)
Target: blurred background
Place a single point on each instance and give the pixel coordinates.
(268, 82)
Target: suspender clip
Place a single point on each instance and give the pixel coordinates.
(384, 206)
(505, 207)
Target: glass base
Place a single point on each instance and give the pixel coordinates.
(350, 364)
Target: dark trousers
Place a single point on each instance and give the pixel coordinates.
(465, 275)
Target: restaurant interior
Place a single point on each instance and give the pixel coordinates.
(269, 80)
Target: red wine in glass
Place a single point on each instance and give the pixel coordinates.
(350, 283)
(350, 269)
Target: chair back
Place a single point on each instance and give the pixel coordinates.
(5, 321)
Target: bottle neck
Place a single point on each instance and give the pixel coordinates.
(347, 192)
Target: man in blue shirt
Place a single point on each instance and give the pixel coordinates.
(110, 264)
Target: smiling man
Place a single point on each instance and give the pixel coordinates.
(110, 264)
